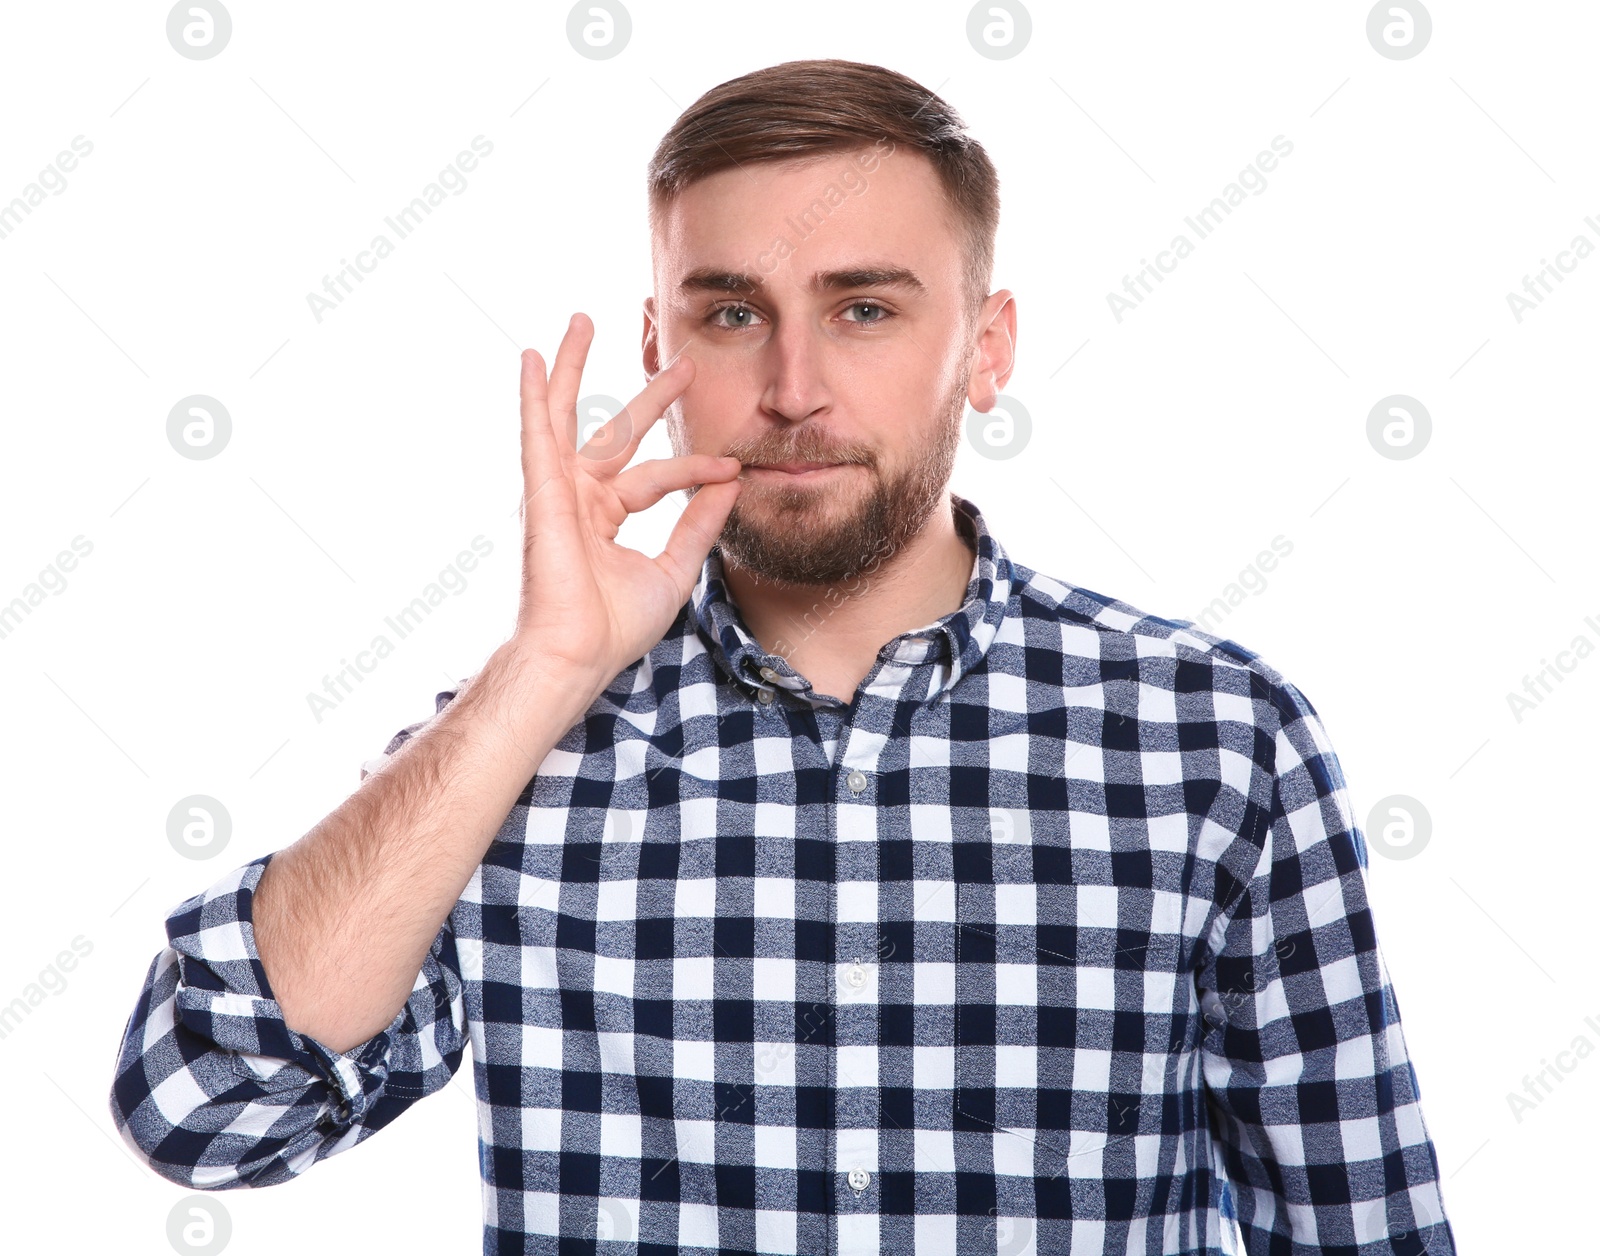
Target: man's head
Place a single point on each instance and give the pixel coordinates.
(822, 234)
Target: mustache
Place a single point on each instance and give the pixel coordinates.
(764, 454)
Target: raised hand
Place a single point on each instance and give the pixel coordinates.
(587, 601)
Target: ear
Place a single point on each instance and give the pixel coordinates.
(650, 345)
(994, 350)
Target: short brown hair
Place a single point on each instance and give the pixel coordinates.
(811, 108)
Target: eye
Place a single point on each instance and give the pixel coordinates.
(858, 307)
(744, 312)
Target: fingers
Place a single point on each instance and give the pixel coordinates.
(695, 533)
(541, 458)
(566, 379)
(612, 443)
(550, 425)
(638, 488)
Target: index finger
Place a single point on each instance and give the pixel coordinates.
(615, 440)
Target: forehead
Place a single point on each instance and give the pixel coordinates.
(787, 220)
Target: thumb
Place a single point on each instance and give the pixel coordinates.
(695, 533)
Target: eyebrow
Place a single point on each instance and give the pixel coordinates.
(711, 279)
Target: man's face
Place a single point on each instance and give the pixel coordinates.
(823, 304)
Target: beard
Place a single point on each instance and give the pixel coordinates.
(851, 519)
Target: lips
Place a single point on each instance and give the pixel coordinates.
(793, 468)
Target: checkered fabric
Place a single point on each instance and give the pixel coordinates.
(1054, 938)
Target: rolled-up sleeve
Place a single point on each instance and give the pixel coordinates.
(214, 1090)
(1320, 1126)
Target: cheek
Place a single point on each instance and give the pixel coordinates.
(896, 379)
(711, 409)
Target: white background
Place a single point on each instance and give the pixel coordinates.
(370, 448)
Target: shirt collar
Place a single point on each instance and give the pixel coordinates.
(953, 645)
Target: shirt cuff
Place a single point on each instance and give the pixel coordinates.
(223, 995)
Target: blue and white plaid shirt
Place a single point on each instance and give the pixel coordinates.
(1054, 939)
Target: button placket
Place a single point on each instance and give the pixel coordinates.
(858, 1062)
(858, 1058)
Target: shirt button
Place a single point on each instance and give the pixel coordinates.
(857, 782)
(859, 1178)
(764, 696)
(768, 674)
(857, 976)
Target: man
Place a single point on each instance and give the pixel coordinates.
(832, 882)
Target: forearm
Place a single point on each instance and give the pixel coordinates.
(344, 916)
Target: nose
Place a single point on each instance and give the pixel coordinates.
(796, 365)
